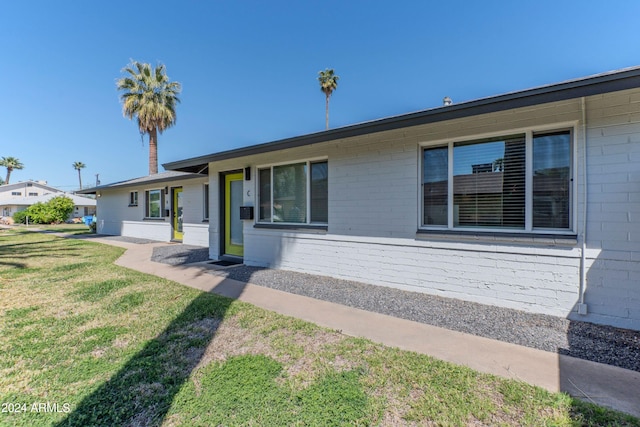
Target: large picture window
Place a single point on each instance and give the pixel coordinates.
(482, 184)
(295, 193)
(153, 204)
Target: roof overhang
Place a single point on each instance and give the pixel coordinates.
(161, 178)
(593, 85)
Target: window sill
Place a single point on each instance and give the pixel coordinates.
(206, 220)
(301, 227)
(554, 239)
(132, 206)
(153, 219)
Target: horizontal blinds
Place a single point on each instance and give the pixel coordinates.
(319, 192)
(551, 180)
(435, 185)
(489, 183)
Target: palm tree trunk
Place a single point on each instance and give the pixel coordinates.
(327, 112)
(80, 179)
(6, 181)
(153, 151)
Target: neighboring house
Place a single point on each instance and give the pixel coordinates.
(82, 205)
(26, 189)
(169, 206)
(19, 196)
(528, 200)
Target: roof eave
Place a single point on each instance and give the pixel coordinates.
(588, 86)
(128, 184)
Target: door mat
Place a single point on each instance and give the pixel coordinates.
(224, 263)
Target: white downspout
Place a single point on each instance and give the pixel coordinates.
(582, 307)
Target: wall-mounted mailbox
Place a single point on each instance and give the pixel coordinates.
(246, 212)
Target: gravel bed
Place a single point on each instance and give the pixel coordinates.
(179, 254)
(598, 343)
(604, 344)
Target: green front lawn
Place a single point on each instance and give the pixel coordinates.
(84, 342)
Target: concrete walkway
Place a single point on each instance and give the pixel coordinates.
(605, 385)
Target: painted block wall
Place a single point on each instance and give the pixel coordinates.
(116, 217)
(374, 215)
(613, 231)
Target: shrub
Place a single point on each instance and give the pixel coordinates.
(60, 207)
(55, 211)
(20, 217)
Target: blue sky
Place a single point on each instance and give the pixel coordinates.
(249, 68)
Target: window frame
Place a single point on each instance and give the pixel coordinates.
(133, 195)
(16, 193)
(308, 224)
(205, 202)
(529, 133)
(147, 208)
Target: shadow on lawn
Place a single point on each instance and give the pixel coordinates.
(11, 253)
(142, 392)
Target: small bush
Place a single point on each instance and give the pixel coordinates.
(20, 217)
(55, 211)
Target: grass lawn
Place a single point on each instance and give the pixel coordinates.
(84, 342)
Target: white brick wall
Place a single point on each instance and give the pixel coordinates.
(613, 292)
(116, 217)
(374, 213)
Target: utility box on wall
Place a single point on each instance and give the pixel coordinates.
(246, 212)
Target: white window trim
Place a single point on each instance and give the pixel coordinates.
(528, 132)
(206, 211)
(137, 197)
(308, 162)
(147, 203)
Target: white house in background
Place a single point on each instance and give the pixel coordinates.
(82, 205)
(169, 206)
(26, 189)
(528, 200)
(19, 196)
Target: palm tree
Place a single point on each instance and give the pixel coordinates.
(328, 83)
(11, 163)
(77, 166)
(151, 98)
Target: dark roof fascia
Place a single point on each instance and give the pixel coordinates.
(128, 183)
(587, 86)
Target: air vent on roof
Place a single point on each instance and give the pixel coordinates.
(446, 101)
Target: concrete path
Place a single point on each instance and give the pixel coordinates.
(605, 385)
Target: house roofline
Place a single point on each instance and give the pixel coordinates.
(612, 81)
(141, 181)
(21, 184)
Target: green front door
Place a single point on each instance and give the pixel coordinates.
(177, 214)
(233, 233)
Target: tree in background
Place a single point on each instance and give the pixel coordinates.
(77, 166)
(151, 97)
(328, 83)
(11, 163)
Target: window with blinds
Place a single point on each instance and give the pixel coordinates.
(551, 180)
(482, 184)
(488, 183)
